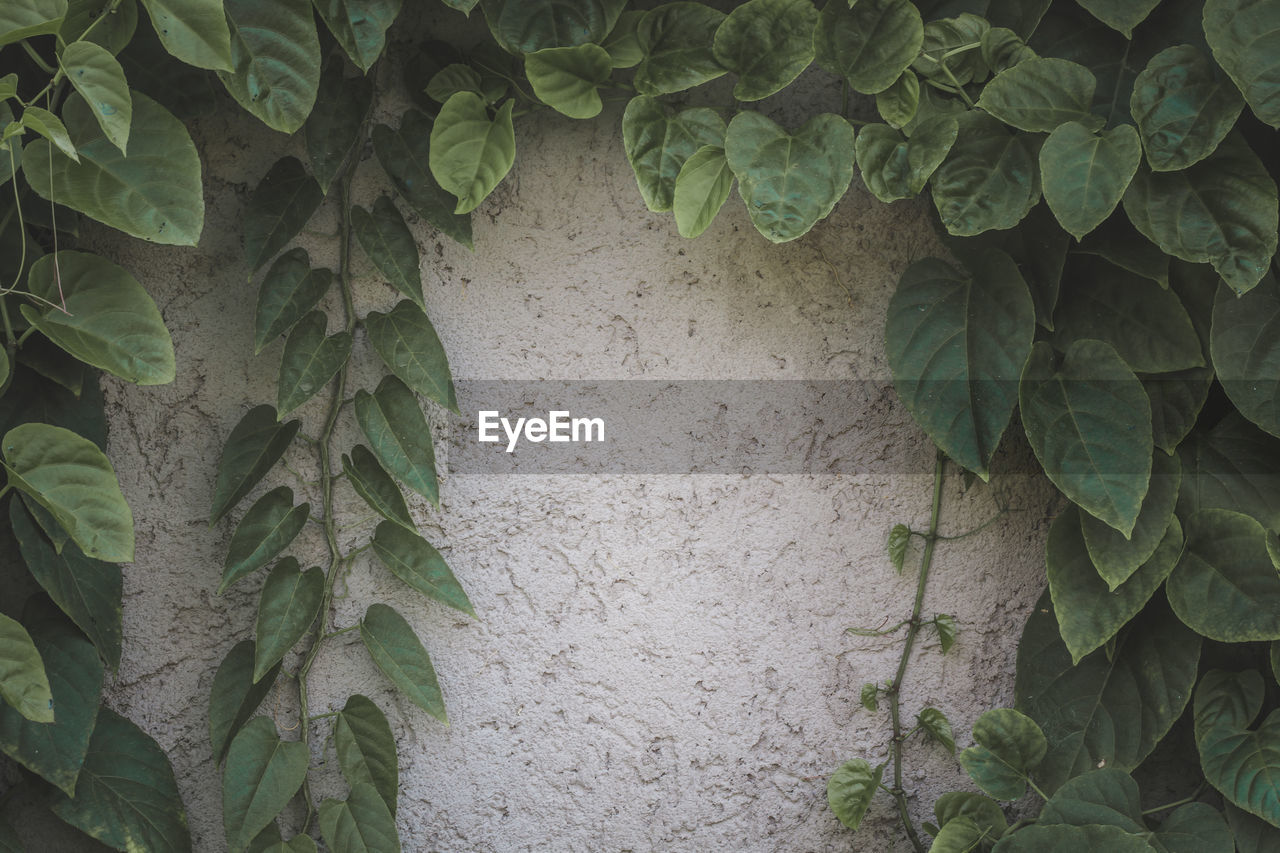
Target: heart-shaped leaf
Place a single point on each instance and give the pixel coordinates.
(413, 559)
(1009, 746)
(289, 605)
(362, 823)
(676, 45)
(266, 530)
(956, 345)
(23, 683)
(898, 103)
(1002, 48)
(1222, 211)
(702, 186)
(253, 447)
(869, 43)
(1197, 828)
(1246, 350)
(767, 43)
(1226, 587)
(1104, 797)
(279, 209)
(407, 342)
(310, 360)
(194, 31)
(367, 748)
(1176, 401)
(360, 26)
(333, 127)
(658, 145)
(984, 812)
(1182, 108)
(622, 43)
(1234, 466)
(1085, 174)
(260, 778)
(850, 789)
(1061, 838)
(941, 57)
(405, 156)
(290, 289)
(1122, 15)
(567, 79)
(275, 60)
(527, 26)
(99, 79)
(399, 654)
(1252, 834)
(989, 179)
(234, 696)
(374, 484)
(1089, 423)
(960, 835)
(1040, 94)
(1242, 763)
(399, 435)
(27, 18)
(1117, 558)
(103, 317)
(935, 724)
(154, 194)
(895, 167)
(1244, 36)
(471, 154)
(789, 181)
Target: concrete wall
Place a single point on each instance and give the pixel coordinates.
(660, 661)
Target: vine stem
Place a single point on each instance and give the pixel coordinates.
(914, 624)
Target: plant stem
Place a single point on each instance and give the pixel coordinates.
(1195, 795)
(894, 691)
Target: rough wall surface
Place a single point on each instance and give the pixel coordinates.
(661, 660)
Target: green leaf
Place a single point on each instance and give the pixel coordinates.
(275, 59)
(1110, 710)
(32, 399)
(88, 591)
(126, 795)
(1145, 323)
(850, 789)
(234, 696)
(400, 655)
(1009, 746)
(767, 43)
(567, 78)
(943, 36)
(1242, 763)
(676, 44)
(371, 481)
(1090, 611)
(984, 812)
(1252, 834)
(527, 26)
(894, 167)
(935, 724)
(899, 539)
(956, 345)
(23, 19)
(1089, 423)
(297, 844)
(622, 43)
(99, 79)
(470, 155)
(702, 186)
(959, 835)
(333, 128)
(399, 435)
(260, 778)
(23, 683)
(1196, 828)
(71, 478)
(869, 696)
(1243, 36)
(897, 104)
(454, 78)
(989, 179)
(109, 321)
(154, 194)
(1002, 48)
(1117, 241)
(56, 750)
(413, 559)
(945, 625)
(408, 344)
(1122, 15)
(405, 157)
(1085, 174)
(290, 603)
(1072, 839)
(309, 361)
(367, 748)
(266, 530)
(290, 289)
(1226, 587)
(870, 43)
(1117, 558)
(1234, 466)
(51, 128)
(279, 209)
(789, 181)
(194, 31)
(1039, 94)
(1222, 211)
(1182, 108)
(186, 91)
(658, 145)
(1246, 351)
(360, 26)
(256, 444)
(389, 243)
(362, 823)
(1106, 797)
(114, 33)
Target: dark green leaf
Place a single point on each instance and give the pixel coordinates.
(184, 90)
(405, 157)
(1002, 49)
(289, 290)
(9, 840)
(1040, 94)
(1252, 834)
(935, 724)
(154, 194)
(899, 539)
(869, 43)
(471, 154)
(1072, 839)
(362, 823)
(278, 210)
(941, 37)
(333, 128)
(1085, 174)
(894, 167)
(290, 603)
(51, 128)
(413, 559)
(98, 77)
(1221, 210)
(850, 789)
(1226, 587)
(702, 187)
(309, 361)
(789, 181)
(454, 78)
(256, 444)
(1115, 557)
(104, 318)
(32, 399)
(408, 344)
(989, 179)
(526, 26)
(767, 43)
(1122, 15)
(275, 60)
(956, 346)
(400, 655)
(984, 812)
(126, 795)
(1117, 241)
(113, 33)
(389, 243)
(622, 44)
(23, 19)
(1089, 423)
(676, 45)
(897, 104)
(399, 435)
(1182, 109)
(567, 78)
(234, 696)
(374, 484)
(945, 625)
(194, 31)
(367, 748)
(1009, 746)
(658, 145)
(1196, 828)
(1242, 763)
(1246, 350)
(260, 778)
(1234, 466)
(266, 530)
(1244, 35)
(360, 26)
(1106, 797)
(23, 683)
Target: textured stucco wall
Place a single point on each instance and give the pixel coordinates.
(661, 661)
